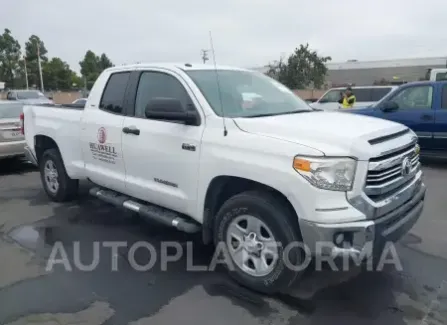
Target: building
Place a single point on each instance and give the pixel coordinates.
(370, 72)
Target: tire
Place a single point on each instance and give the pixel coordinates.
(66, 188)
(264, 207)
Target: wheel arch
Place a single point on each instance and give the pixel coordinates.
(221, 188)
(43, 143)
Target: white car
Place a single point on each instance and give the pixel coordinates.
(28, 97)
(171, 144)
(365, 96)
(80, 101)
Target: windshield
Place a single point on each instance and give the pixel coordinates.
(246, 93)
(29, 95)
(390, 94)
(332, 96)
(10, 110)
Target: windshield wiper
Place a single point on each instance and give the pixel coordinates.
(284, 113)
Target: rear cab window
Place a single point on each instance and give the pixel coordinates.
(112, 99)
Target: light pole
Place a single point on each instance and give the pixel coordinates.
(26, 72)
(40, 68)
(205, 56)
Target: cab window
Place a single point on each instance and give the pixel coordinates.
(440, 76)
(159, 85)
(416, 97)
(332, 96)
(378, 93)
(362, 94)
(113, 96)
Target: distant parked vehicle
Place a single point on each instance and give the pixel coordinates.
(12, 141)
(80, 101)
(365, 96)
(29, 97)
(438, 74)
(421, 106)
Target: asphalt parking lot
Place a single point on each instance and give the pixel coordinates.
(115, 293)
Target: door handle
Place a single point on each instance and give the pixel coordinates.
(426, 117)
(131, 130)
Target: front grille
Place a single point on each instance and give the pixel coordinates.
(385, 173)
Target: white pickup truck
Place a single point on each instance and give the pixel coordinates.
(176, 144)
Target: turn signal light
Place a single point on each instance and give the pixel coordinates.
(301, 164)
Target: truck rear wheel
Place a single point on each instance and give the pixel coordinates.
(57, 184)
(257, 231)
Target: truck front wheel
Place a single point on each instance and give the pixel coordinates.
(262, 241)
(57, 184)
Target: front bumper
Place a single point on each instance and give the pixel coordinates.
(12, 149)
(366, 237)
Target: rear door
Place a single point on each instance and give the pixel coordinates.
(415, 110)
(440, 127)
(101, 133)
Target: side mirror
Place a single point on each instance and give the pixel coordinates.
(389, 106)
(50, 97)
(322, 101)
(171, 109)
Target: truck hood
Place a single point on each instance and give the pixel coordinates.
(333, 133)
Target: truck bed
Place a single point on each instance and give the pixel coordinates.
(64, 106)
(62, 123)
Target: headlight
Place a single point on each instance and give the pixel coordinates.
(333, 174)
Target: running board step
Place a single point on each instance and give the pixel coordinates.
(151, 212)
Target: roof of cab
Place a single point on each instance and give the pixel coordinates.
(424, 82)
(175, 66)
(367, 87)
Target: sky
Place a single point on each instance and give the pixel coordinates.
(246, 33)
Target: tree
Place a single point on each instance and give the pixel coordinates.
(57, 75)
(92, 66)
(33, 46)
(9, 58)
(104, 62)
(303, 68)
(77, 82)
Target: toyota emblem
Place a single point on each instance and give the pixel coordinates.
(406, 166)
(102, 135)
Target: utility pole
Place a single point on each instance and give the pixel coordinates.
(26, 72)
(205, 56)
(40, 68)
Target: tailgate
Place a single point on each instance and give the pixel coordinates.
(10, 130)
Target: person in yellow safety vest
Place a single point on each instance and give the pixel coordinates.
(348, 99)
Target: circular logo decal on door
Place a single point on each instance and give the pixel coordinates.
(102, 135)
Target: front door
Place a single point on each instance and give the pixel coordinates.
(162, 157)
(101, 135)
(415, 111)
